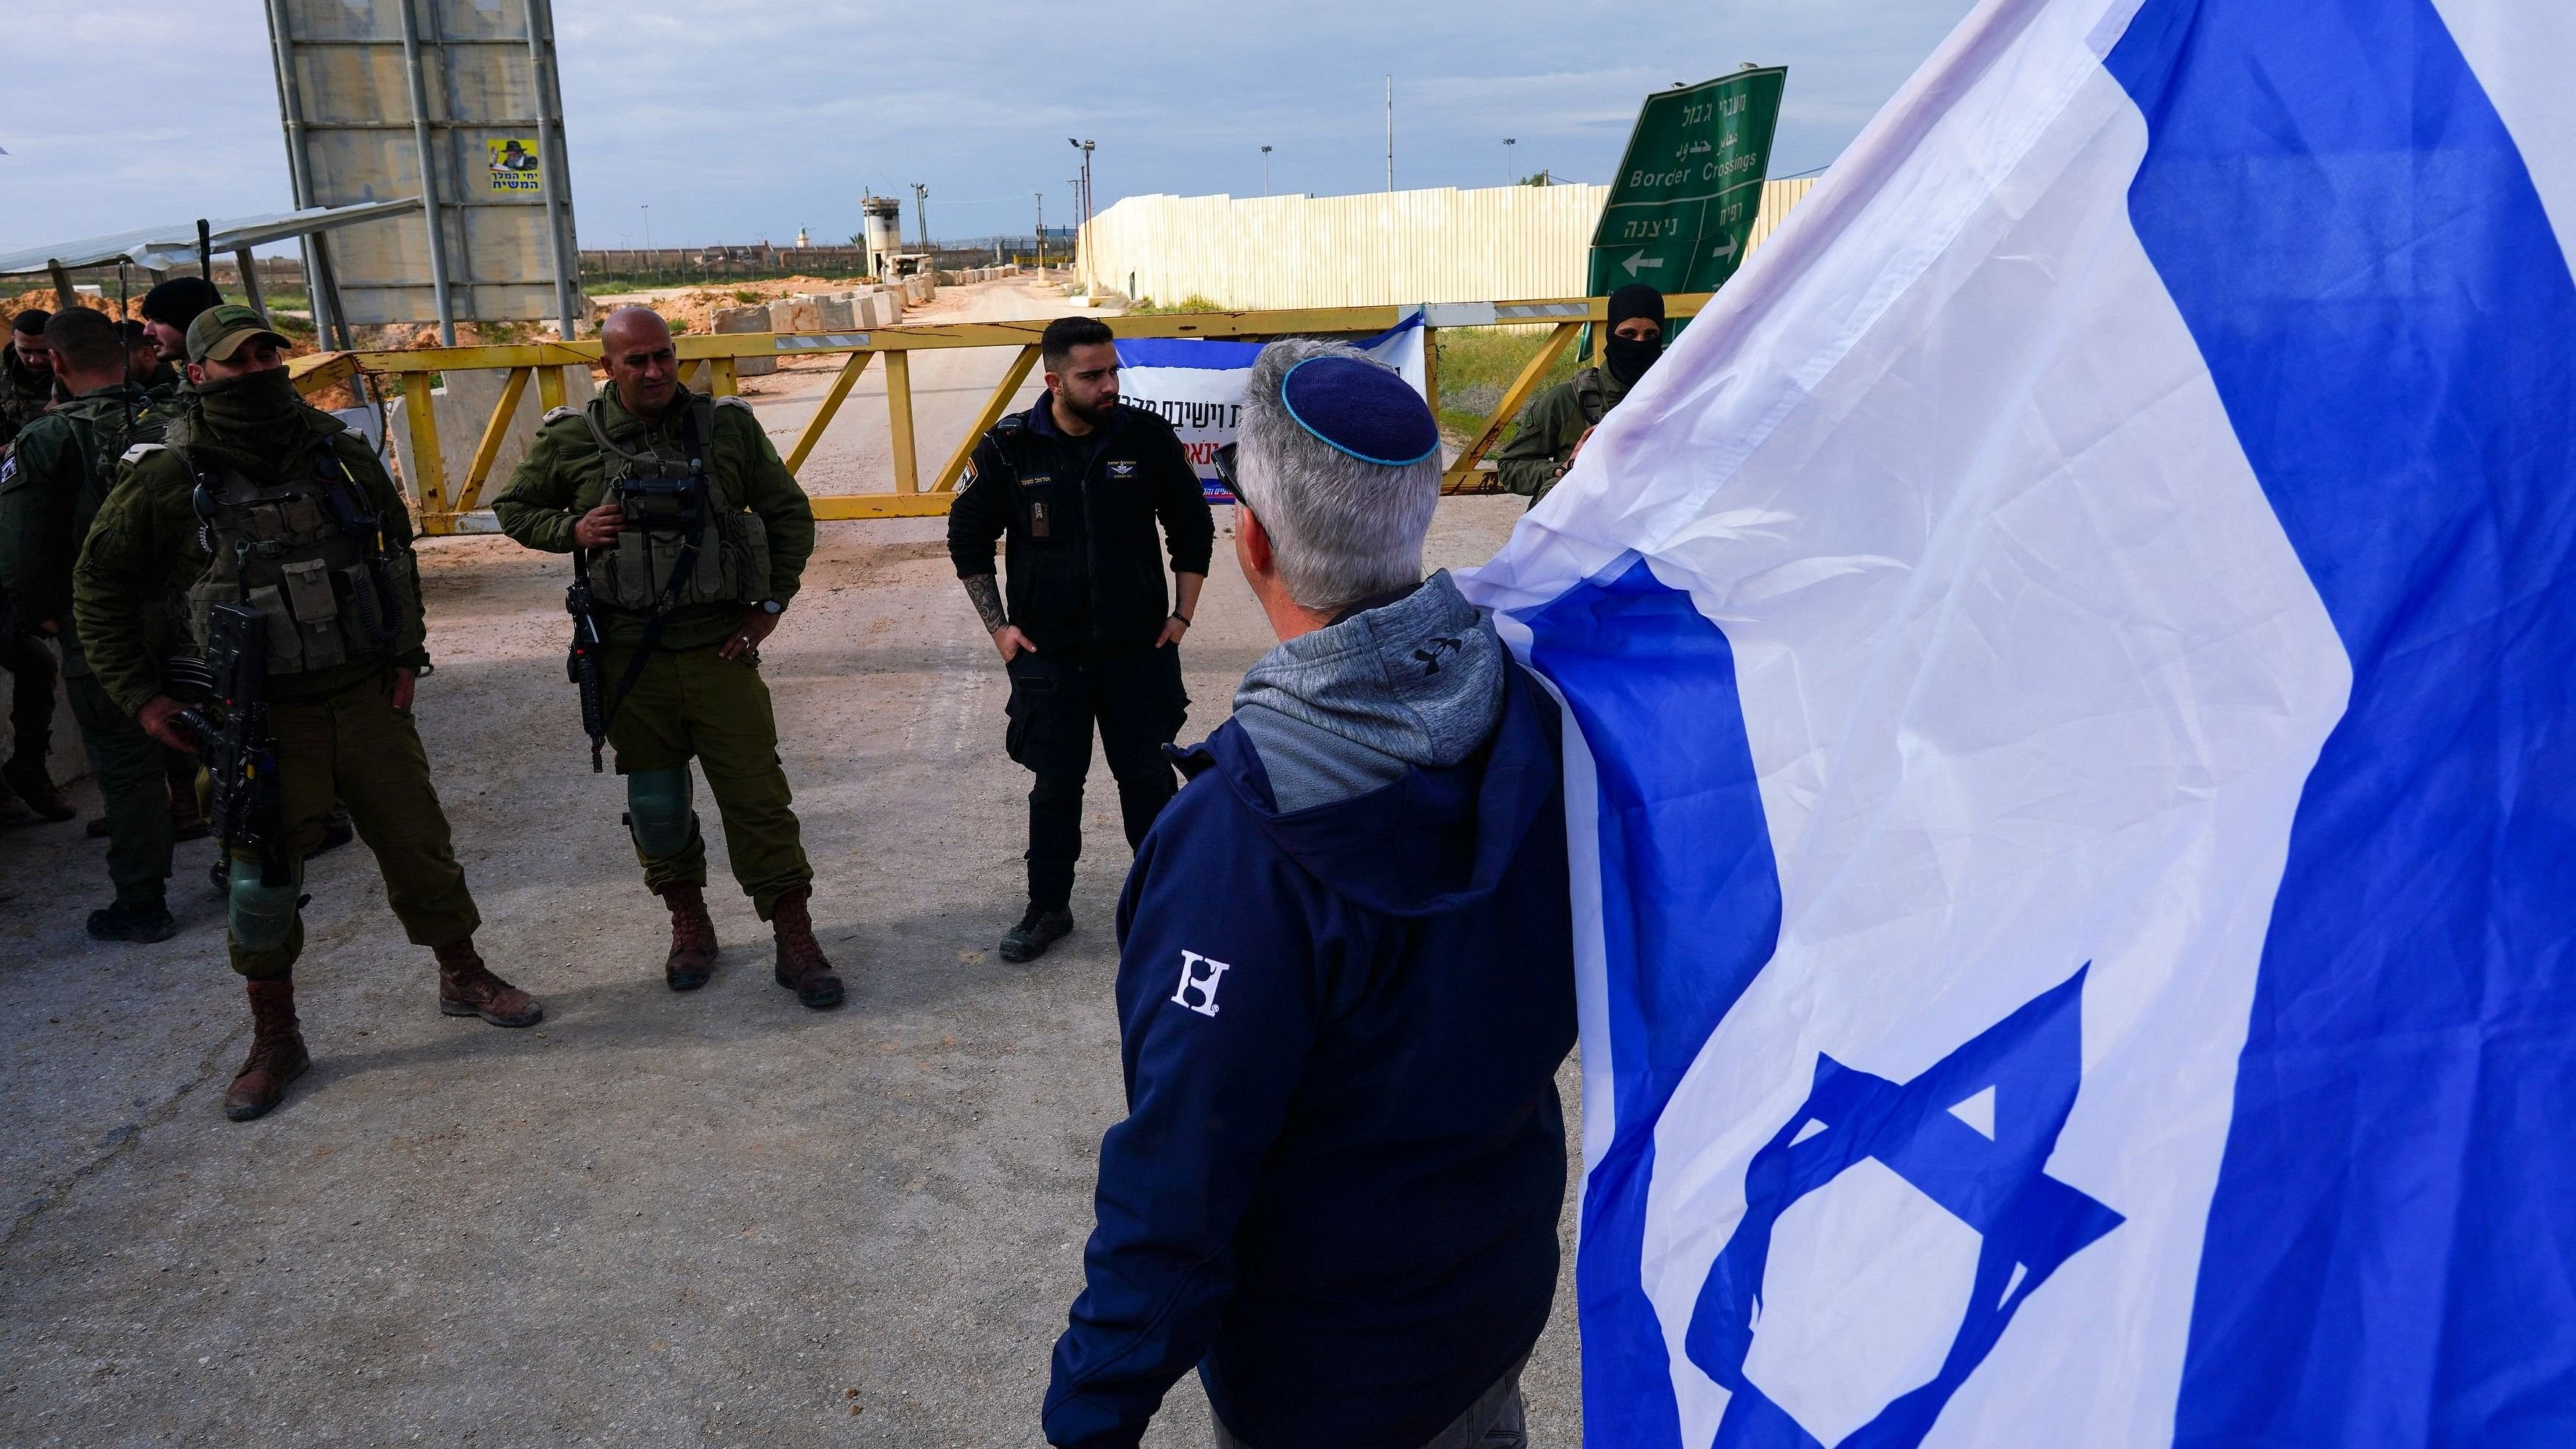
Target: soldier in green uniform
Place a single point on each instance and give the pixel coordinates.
(269, 502)
(693, 537)
(58, 474)
(27, 382)
(27, 388)
(1553, 429)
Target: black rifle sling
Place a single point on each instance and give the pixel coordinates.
(681, 567)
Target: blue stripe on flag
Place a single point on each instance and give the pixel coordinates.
(1690, 912)
(2358, 249)
(1218, 355)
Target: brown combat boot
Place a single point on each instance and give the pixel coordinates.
(277, 1054)
(466, 987)
(25, 773)
(693, 938)
(801, 967)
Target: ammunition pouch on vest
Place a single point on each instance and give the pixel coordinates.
(311, 555)
(675, 515)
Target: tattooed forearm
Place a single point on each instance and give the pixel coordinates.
(988, 602)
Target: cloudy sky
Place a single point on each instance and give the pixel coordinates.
(736, 120)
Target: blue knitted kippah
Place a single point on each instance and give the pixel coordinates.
(1362, 409)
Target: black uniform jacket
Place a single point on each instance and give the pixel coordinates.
(1076, 516)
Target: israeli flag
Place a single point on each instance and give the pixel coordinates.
(2068, 672)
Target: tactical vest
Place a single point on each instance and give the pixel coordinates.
(310, 554)
(724, 561)
(108, 427)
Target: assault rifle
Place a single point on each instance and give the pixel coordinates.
(230, 724)
(583, 665)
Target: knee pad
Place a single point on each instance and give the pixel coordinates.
(261, 917)
(657, 811)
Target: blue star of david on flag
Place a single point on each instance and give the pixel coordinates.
(2028, 1222)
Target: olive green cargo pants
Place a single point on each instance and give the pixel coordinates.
(688, 703)
(355, 747)
(132, 777)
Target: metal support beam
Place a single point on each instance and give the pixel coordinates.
(907, 464)
(495, 432)
(430, 210)
(1462, 469)
(249, 270)
(550, 389)
(994, 406)
(420, 416)
(66, 296)
(831, 404)
(554, 176)
(720, 377)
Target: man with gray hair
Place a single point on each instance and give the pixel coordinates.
(1346, 981)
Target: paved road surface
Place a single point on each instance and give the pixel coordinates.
(655, 1219)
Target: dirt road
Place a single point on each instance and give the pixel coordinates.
(656, 1219)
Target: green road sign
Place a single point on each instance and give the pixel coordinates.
(1682, 205)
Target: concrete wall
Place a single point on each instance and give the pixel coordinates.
(1373, 249)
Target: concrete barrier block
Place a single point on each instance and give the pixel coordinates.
(833, 313)
(794, 314)
(747, 319)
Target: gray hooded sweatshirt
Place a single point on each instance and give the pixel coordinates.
(1347, 709)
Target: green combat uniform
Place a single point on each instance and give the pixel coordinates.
(51, 489)
(685, 702)
(1550, 427)
(306, 526)
(24, 394)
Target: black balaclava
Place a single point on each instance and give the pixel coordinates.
(1627, 360)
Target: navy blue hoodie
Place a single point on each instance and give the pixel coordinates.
(1336, 1190)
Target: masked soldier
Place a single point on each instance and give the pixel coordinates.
(272, 504)
(57, 476)
(691, 536)
(1554, 428)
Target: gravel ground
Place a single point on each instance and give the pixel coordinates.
(655, 1219)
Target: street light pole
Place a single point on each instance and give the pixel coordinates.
(1265, 171)
(921, 213)
(1508, 177)
(1084, 183)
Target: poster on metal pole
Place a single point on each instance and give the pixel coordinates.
(455, 99)
(1682, 206)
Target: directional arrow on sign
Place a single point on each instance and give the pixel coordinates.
(1724, 253)
(1641, 260)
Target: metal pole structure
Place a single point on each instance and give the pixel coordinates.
(1508, 177)
(299, 174)
(249, 269)
(550, 157)
(1265, 171)
(921, 215)
(428, 154)
(1390, 133)
(1041, 233)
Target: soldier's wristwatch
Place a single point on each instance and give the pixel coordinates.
(770, 606)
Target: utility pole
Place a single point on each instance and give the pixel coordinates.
(648, 227)
(1390, 133)
(1265, 171)
(1508, 177)
(921, 213)
(1083, 200)
(1041, 233)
